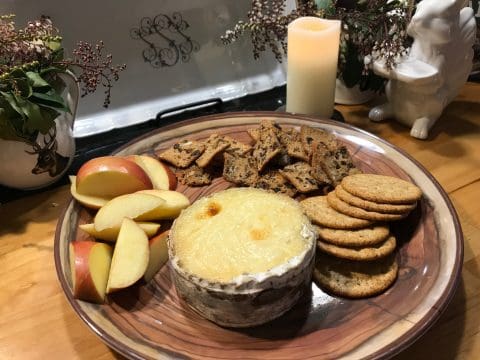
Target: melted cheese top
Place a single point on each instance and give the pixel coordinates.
(239, 232)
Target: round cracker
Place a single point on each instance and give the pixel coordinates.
(353, 278)
(381, 188)
(319, 212)
(364, 253)
(347, 209)
(353, 200)
(354, 237)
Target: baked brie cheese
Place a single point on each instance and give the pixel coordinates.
(242, 257)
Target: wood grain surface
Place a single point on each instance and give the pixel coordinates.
(37, 322)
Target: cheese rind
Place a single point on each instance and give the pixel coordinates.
(242, 257)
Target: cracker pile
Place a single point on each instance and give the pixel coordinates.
(282, 160)
(356, 249)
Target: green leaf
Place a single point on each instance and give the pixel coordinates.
(10, 98)
(7, 130)
(352, 72)
(35, 119)
(49, 114)
(50, 99)
(18, 73)
(53, 45)
(36, 80)
(373, 82)
(57, 55)
(49, 70)
(25, 88)
(12, 123)
(55, 81)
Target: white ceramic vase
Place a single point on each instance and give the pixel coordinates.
(24, 166)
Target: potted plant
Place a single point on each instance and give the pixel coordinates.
(38, 99)
(370, 29)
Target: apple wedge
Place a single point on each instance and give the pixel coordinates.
(111, 234)
(140, 207)
(92, 202)
(130, 257)
(158, 255)
(90, 266)
(111, 176)
(159, 173)
(175, 202)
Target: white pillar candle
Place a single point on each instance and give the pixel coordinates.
(312, 57)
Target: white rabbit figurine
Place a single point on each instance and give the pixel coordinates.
(437, 66)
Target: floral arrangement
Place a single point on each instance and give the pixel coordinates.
(372, 29)
(30, 88)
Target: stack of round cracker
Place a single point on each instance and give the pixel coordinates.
(356, 249)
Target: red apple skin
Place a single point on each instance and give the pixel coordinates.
(172, 179)
(112, 163)
(84, 287)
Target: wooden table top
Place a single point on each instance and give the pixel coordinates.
(36, 321)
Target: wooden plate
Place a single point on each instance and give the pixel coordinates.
(149, 321)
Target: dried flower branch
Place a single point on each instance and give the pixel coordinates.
(377, 29)
(96, 69)
(267, 24)
(30, 89)
(372, 29)
(39, 45)
(24, 46)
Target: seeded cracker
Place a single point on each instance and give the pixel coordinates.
(319, 150)
(270, 124)
(236, 147)
(254, 133)
(282, 158)
(290, 140)
(292, 133)
(240, 170)
(354, 279)
(361, 237)
(364, 253)
(347, 209)
(266, 148)
(272, 180)
(320, 213)
(371, 205)
(183, 153)
(213, 146)
(300, 175)
(338, 164)
(193, 176)
(382, 189)
(309, 135)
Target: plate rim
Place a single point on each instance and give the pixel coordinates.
(393, 348)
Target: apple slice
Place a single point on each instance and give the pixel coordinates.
(158, 255)
(175, 201)
(90, 266)
(130, 257)
(140, 207)
(92, 202)
(160, 174)
(111, 234)
(111, 176)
